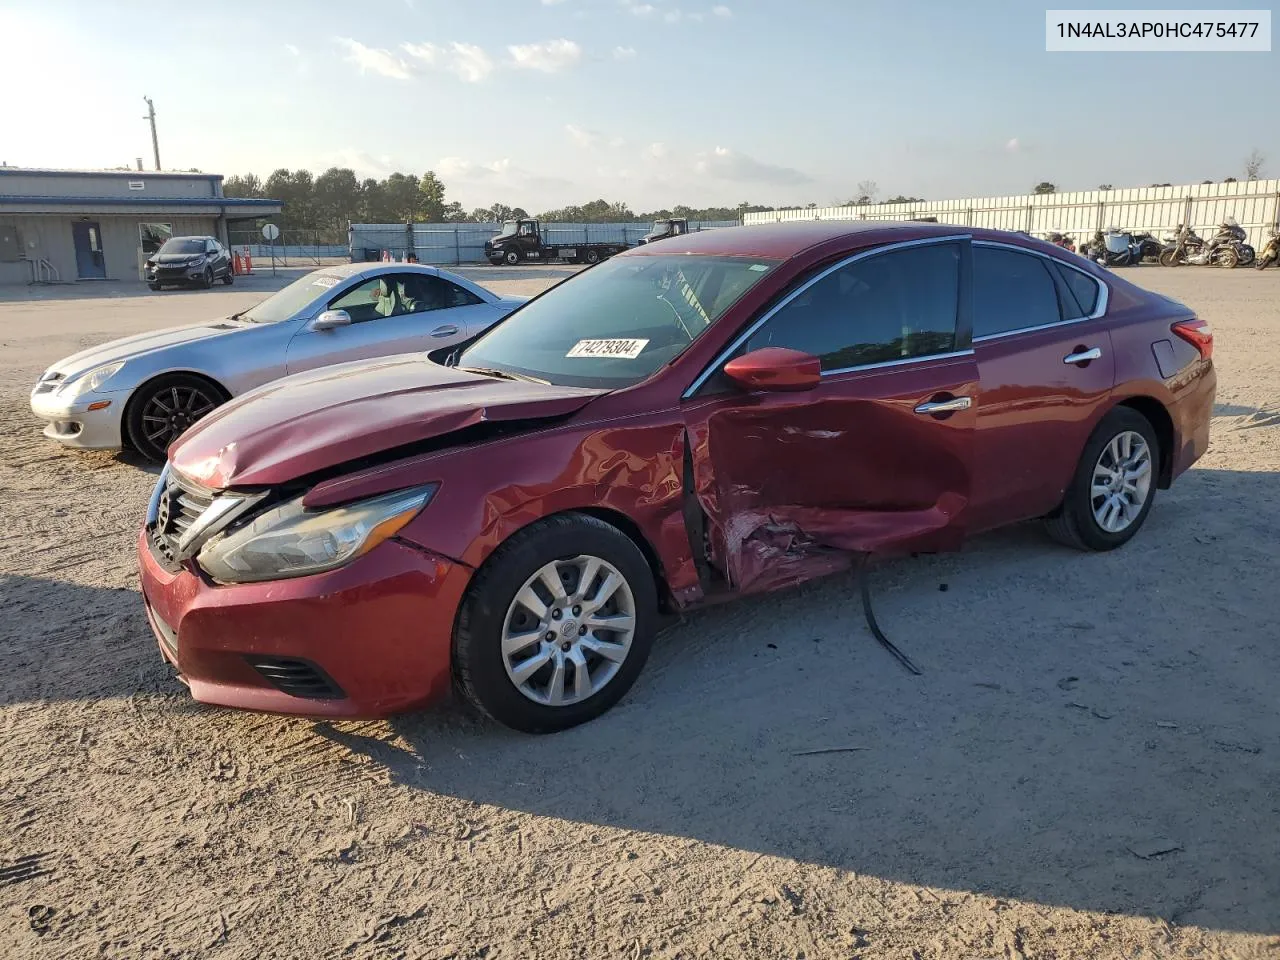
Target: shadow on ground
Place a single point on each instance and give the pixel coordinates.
(1096, 731)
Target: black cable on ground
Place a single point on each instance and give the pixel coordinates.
(864, 582)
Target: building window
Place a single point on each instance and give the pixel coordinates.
(151, 236)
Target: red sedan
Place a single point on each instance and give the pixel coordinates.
(723, 413)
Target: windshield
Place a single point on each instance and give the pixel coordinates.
(508, 229)
(617, 323)
(287, 302)
(183, 245)
(661, 226)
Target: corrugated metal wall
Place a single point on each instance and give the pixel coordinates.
(453, 243)
(1255, 204)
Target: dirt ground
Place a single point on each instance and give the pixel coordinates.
(1089, 766)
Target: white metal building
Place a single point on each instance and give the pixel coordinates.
(65, 226)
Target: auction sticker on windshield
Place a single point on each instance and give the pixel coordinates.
(624, 349)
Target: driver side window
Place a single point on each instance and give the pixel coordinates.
(891, 306)
(372, 299)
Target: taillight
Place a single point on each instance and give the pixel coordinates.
(1198, 333)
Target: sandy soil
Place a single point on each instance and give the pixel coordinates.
(1089, 766)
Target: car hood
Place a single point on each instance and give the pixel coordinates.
(127, 348)
(173, 258)
(313, 421)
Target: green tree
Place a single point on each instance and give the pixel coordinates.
(242, 186)
(1044, 186)
(431, 205)
(336, 199)
(402, 198)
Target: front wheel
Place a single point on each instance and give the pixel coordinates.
(1265, 262)
(592, 256)
(556, 626)
(512, 257)
(1227, 258)
(206, 281)
(1114, 485)
(162, 409)
(230, 278)
(154, 286)
(1169, 258)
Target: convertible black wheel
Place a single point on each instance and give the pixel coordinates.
(162, 409)
(556, 625)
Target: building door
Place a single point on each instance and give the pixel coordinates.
(90, 264)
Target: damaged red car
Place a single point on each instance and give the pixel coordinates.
(723, 413)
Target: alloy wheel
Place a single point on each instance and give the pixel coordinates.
(1121, 481)
(569, 630)
(168, 412)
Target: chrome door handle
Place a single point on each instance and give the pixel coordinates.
(1084, 356)
(946, 406)
(448, 330)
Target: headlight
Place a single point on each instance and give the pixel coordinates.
(291, 541)
(197, 261)
(90, 381)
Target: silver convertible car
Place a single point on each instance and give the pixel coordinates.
(143, 391)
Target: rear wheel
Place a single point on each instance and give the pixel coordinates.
(1114, 485)
(1227, 257)
(161, 409)
(592, 256)
(154, 286)
(556, 626)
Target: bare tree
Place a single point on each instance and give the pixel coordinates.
(868, 191)
(1044, 186)
(1253, 164)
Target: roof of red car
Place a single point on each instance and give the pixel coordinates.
(780, 241)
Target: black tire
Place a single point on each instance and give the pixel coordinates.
(206, 281)
(592, 256)
(1169, 258)
(195, 397)
(1074, 523)
(230, 276)
(512, 257)
(1263, 264)
(478, 667)
(154, 286)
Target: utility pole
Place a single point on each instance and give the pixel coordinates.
(151, 115)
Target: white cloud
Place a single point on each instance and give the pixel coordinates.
(617, 142)
(672, 16)
(549, 57)
(583, 138)
(292, 50)
(724, 164)
(464, 60)
(1012, 145)
(656, 151)
(551, 3)
(453, 167)
(463, 169)
(722, 11)
(375, 60)
(624, 53)
(642, 9)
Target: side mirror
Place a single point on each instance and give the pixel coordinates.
(775, 368)
(331, 320)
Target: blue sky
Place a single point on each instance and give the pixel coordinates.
(653, 102)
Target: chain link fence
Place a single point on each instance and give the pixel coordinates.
(292, 248)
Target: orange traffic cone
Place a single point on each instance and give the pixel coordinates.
(248, 261)
(237, 266)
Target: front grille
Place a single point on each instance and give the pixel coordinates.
(298, 678)
(168, 636)
(186, 501)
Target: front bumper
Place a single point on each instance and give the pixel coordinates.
(75, 425)
(175, 274)
(379, 629)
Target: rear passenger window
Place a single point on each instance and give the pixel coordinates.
(1083, 288)
(893, 306)
(1011, 291)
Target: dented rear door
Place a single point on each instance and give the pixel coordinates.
(877, 458)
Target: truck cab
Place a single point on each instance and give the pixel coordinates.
(667, 227)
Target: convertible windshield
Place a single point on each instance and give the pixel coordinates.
(287, 302)
(182, 245)
(615, 324)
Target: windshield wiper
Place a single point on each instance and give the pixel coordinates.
(504, 375)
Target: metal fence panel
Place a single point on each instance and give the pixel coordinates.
(1255, 204)
(447, 244)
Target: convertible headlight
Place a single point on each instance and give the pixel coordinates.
(291, 541)
(90, 381)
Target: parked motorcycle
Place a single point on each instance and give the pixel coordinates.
(1062, 240)
(1187, 247)
(1270, 250)
(1234, 235)
(1116, 248)
(1148, 246)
